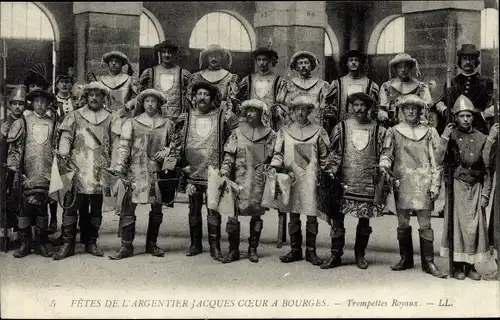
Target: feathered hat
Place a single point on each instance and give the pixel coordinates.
(37, 75)
(404, 57)
(226, 55)
(41, 93)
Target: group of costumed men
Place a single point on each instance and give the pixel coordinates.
(349, 147)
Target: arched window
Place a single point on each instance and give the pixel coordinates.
(489, 28)
(25, 20)
(151, 32)
(331, 43)
(223, 29)
(392, 37)
(328, 45)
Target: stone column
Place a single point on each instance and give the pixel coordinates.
(426, 28)
(102, 27)
(293, 26)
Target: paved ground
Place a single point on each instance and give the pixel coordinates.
(37, 287)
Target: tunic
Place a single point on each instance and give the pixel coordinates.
(245, 152)
(123, 89)
(471, 181)
(304, 152)
(141, 138)
(395, 88)
(347, 85)
(356, 149)
(34, 137)
(414, 154)
(173, 83)
(225, 81)
(87, 137)
(64, 105)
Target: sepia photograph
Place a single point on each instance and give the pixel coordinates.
(249, 159)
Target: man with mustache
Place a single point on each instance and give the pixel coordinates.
(470, 83)
(169, 78)
(403, 84)
(301, 150)
(265, 85)
(413, 150)
(246, 152)
(214, 64)
(17, 105)
(199, 146)
(354, 81)
(31, 140)
(471, 192)
(304, 62)
(86, 142)
(356, 144)
(123, 87)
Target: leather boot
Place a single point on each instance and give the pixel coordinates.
(427, 256)
(155, 220)
(52, 228)
(42, 238)
(214, 235)
(458, 271)
(196, 234)
(337, 249)
(470, 271)
(25, 248)
(233, 233)
(362, 237)
(405, 250)
(311, 233)
(253, 240)
(68, 232)
(295, 253)
(128, 234)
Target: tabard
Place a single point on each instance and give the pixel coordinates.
(246, 150)
(86, 136)
(122, 87)
(141, 138)
(264, 87)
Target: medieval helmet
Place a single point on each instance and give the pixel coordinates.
(463, 104)
(18, 94)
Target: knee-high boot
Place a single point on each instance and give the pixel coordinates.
(127, 235)
(362, 237)
(311, 234)
(69, 238)
(427, 253)
(26, 238)
(337, 248)
(405, 250)
(195, 226)
(214, 234)
(253, 240)
(52, 228)
(295, 231)
(233, 233)
(41, 237)
(155, 220)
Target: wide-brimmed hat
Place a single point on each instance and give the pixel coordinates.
(95, 85)
(361, 96)
(469, 50)
(463, 104)
(273, 55)
(226, 55)
(18, 94)
(115, 54)
(160, 96)
(64, 75)
(304, 54)
(40, 93)
(207, 86)
(353, 53)
(410, 100)
(302, 100)
(35, 78)
(167, 44)
(254, 103)
(404, 57)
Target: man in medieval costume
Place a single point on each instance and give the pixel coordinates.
(356, 145)
(470, 83)
(215, 63)
(410, 155)
(123, 87)
(16, 107)
(247, 151)
(85, 145)
(144, 144)
(305, 62)
(36, 79)
(354, 81)
(201, 145)
(265, 85)
(169, 78)
(64, 85)
(301, 150)
(31, 140)
(471, 192)
(403, 84)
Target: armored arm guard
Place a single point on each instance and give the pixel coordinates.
(125, 146)
(230, 148)
(277, 160)
(67, 130)
(16, 143)
(387, 155)
(435, 148)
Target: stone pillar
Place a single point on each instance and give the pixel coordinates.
(102, 27)
(293, 26)
(426, 28)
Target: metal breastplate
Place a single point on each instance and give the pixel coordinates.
(168, 82)
(358, 166)
(147, 142)
(38, 151)
(348, 87)
(202, 144)
(119, 95)
(262, 88)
